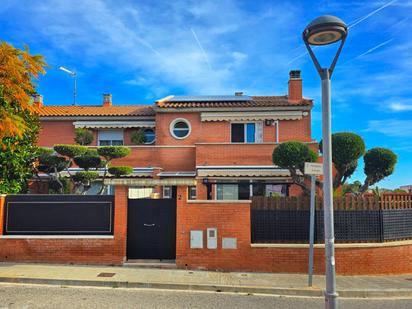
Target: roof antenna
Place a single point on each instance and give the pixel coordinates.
(72, 74)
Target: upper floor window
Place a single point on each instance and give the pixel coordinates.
(191, 193)
(180, 128)
(149, 135)
(251, 132)
(110, 137)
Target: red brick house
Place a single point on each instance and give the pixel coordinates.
(219, 145)
(206, 156)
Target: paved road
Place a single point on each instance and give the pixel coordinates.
(41, 296)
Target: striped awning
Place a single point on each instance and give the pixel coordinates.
(242, 172)
(114, 124)
(251, 116)
(150, 182)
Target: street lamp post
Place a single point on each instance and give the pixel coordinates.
(326, 30)
(72, 74)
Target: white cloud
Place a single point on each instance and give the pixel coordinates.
(156, 39)
(399, 107)
(391, 127)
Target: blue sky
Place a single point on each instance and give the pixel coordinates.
(143, 50)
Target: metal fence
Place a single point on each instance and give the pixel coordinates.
(356, 219)
(58, 215)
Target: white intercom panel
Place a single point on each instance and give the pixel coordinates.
(212, 238)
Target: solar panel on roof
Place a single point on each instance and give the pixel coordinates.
(210, 98)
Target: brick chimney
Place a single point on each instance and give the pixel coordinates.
(38, 100)
(295, 86)
(107, 99)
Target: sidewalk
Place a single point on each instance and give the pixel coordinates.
(264, 283)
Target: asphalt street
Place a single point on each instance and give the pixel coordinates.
(42, 296)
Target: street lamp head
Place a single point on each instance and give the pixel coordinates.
(325, 30)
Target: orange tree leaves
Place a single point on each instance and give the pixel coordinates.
(18, 70)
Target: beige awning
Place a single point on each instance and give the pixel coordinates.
(151, 182)
(113, 124)
(243, 172)
(251, 116)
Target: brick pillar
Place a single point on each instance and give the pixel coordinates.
(181, 222)
(201, 191)
(120, 219)
(2, 205)
(157, 189)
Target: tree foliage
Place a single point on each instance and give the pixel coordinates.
(347, 148)
(88, 159)
(292, 156)
(83, 136)
(19, 126)
(17, 158)
(110, 153)
(113, 152)
(87, 162)
(70, 151)
(138, 137)
(118, 171)
(18, 69)
(379, 163)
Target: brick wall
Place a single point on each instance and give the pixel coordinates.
(234, 154)
(295, 130)
(74, 250)
(233, 220)
(56, 132)
(169, 158)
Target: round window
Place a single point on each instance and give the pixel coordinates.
(149, 136)
(180, 128)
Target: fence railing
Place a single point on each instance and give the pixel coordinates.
(356, 219)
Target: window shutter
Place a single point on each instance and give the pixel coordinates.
(259, 132)
(111, 135)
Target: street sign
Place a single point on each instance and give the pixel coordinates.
(313, 168)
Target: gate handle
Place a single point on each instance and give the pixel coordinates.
(145, 224)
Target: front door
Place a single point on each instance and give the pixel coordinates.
(151, 229)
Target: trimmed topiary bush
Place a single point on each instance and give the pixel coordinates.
(87, 162)
(70, 151)
(118, 171)
(85, 177)
(293, 155)
(347, 148)
(379, 163)
(113, 152)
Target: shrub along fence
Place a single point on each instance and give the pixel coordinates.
(356, 219)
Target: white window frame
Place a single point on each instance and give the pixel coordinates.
(257, 123)
(154, 131)
(144, 191)
(99, 133)
(189, 193)
(173, 123)
(167, 191)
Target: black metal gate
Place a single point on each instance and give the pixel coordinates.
(151, 229)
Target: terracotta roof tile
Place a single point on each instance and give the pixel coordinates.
(256, 101)
(115, 110)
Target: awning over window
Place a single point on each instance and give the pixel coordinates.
(249, 171)
(114, 124)
(151, 182)
(137, 172)
(251, 116)
(177, 174)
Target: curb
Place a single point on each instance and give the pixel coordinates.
(309, 292)
(303, 292)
